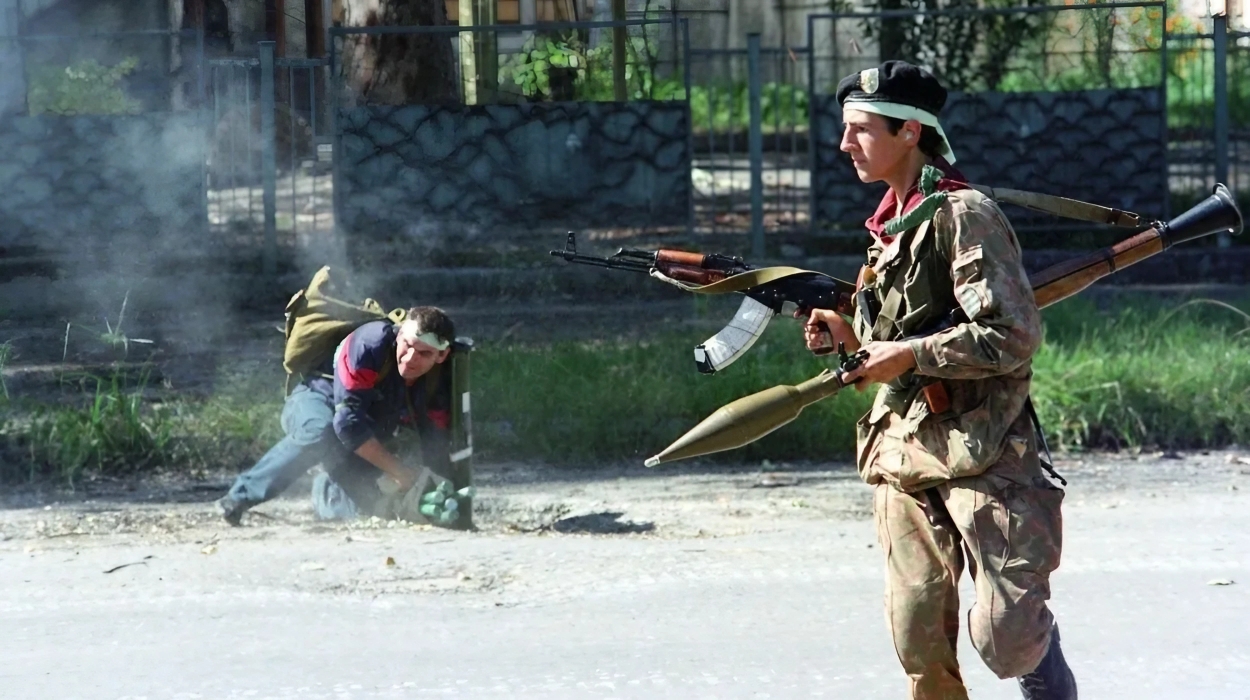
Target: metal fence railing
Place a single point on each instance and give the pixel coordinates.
(749, 117)
(1209, 111)
(622, 129)
(268, 175)
(1068, 100)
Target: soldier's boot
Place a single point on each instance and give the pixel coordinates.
(1052, 679)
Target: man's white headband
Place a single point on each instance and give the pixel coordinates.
(904, 112)
(411, 330)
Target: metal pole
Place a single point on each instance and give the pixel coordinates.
(755, 145)
(1220, 31)
(619, 37)
(200, 95)
(17, 99)
(268, 162)
(1163, 123)
(333, 108)
(685, 59)
(813, 127)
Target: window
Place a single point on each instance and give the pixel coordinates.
(506, 11)
(556, 11)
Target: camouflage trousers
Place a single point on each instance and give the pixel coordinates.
(1006, 525)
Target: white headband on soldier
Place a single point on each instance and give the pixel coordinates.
(411, 330)
(904, 112)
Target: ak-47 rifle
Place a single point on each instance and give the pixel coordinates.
(767, 290)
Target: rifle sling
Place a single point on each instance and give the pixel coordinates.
(743, 280)
(1048, 463)
(1061, 206)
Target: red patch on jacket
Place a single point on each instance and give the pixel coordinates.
(440, 419)
(353, 379)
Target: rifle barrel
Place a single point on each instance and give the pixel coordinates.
(612, 263)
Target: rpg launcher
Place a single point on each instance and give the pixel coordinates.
(752, 417)
(766, 290)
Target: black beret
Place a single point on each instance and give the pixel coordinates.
(895, 81)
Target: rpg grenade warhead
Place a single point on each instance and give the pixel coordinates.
(752, 417)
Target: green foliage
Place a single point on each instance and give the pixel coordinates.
(968, 52)
(1191, 84)
(115, 427)
(727, 107)
(83, 88)
(564, 68)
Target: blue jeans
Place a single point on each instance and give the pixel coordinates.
(348, 488)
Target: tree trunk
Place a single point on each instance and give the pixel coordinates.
(892, 40)
(398, 69)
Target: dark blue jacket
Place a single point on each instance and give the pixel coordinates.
(370, 397)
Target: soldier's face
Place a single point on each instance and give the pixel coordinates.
(875, 153)
(414, 357)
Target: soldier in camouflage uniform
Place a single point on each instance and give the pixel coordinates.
(950, 443)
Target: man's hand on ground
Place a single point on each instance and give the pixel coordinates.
(405, 478)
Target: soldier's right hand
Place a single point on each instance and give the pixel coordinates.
(406, 478)
(834, 330)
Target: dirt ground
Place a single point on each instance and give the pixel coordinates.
(761, 581)
(528, 500)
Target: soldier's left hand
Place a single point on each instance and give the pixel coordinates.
(886, 361)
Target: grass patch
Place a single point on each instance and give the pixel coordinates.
(1146, 374)
(116, 427)
(114, 433)
(1149, 374)
(6, 351)
(602, 400)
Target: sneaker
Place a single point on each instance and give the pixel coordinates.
(231, 510)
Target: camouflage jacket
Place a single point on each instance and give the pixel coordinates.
(966, 256)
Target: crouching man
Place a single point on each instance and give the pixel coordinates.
(382, 391)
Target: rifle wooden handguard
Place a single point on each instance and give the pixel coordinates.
(680, 257)
(690, 274)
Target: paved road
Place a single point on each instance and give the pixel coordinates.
(790, 608)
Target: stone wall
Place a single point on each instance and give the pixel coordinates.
(1101, 146)
(510, 168)
(82, 185)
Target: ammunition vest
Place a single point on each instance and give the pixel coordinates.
(931, 444)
